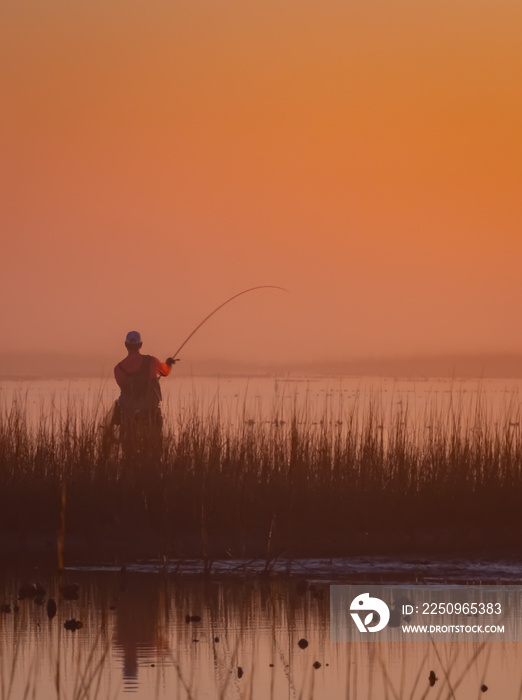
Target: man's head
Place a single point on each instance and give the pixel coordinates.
(133, 341)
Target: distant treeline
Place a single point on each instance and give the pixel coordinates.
(49, 365)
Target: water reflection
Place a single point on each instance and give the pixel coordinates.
(137, 638)
(164, 636)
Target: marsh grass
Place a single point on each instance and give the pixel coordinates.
(247, 484)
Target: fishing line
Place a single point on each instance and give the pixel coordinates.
(245, 291)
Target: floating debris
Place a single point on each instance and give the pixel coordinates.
(239, 672)
(483, 688)
(432, 678)
(26, 590)
(316, 665)
(73, 625)
(51, 608)
(30, 590)
(216, 640)
(302, 643)
(192, 618)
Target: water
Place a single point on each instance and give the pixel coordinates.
(136, 642)
(262, 398)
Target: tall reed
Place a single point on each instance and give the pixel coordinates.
(292, 481)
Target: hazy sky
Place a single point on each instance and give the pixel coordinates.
(158, 156)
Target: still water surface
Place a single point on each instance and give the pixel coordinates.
(263, 398)
(136, 642)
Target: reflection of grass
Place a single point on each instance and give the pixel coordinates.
(21, 680)
(266, 486)
(254, 625)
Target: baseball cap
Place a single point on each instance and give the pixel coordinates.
(133, 338)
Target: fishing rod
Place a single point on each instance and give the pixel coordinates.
(245, 291)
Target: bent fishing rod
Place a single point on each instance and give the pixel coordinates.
(245, 291)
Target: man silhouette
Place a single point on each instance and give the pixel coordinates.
(139, 408)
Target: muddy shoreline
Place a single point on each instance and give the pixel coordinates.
(357, 558)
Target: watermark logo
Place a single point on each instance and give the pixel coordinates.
(416, 613)
(364, 604)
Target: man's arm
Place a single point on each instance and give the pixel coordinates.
(162, 369)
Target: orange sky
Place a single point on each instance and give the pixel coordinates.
(160, 156)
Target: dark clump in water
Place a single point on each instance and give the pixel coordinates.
(30, 590)
(192, 618)
(73, 624)
(51, 608)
